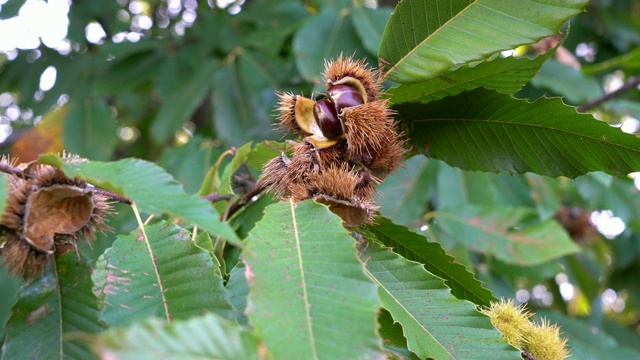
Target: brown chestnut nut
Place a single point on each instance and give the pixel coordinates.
(344, 96)
(327, 119)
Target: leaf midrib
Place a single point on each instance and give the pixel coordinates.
(305, 296)
(420, 44)
(451, 278)
(516, 124)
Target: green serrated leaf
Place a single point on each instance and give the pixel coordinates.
(150, 187)
(309, 297)
(53, 312)
(417, 248)
(498, 230)
(486, 131)
(89, 129)
(393, 340)
(159, 272)
(436, 324)
(426, 38)
(204, 337)
(504, 75)
(177, 108)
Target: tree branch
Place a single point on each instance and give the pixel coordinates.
(631, 83)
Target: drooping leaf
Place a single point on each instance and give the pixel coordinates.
(158, 272)
(89, 129)
(499, 231)
(325, 36)
(566, 81)
(237, 161)
(52, 312)
(504, 75)
(177, 108)
(417, 248)
(486, 131)
(133, 65)
(425, 38)
(369, 24)
(436, 324)
(241, 113)
(205, 337)
(309, 297)
(142, 182)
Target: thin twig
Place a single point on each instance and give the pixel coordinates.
(243, 200)
(631, 83)
(215, 197)
(112, 196)
(6, 168)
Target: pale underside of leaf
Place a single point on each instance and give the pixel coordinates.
(309, 296)
(425, 38)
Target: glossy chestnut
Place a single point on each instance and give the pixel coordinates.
(327, 119)
(344, 96)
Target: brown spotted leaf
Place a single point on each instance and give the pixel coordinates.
(159, 272)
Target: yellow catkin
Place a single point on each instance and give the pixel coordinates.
(511, 320)
(543, 342)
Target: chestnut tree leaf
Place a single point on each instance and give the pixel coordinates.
(393, 340)
(499, 231)
(243, 112)
(309, 296)
(158, 271)
(369, 24)
(504, 75)
(325, 36)
(52, 312)
(178, 107)
(417, 248)
(204, 337)
(150, 187)
(423, 39)
(487, 131)
(436, 324)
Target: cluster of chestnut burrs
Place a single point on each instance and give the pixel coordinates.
(349, 143)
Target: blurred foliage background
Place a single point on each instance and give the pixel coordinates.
(179, 82)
